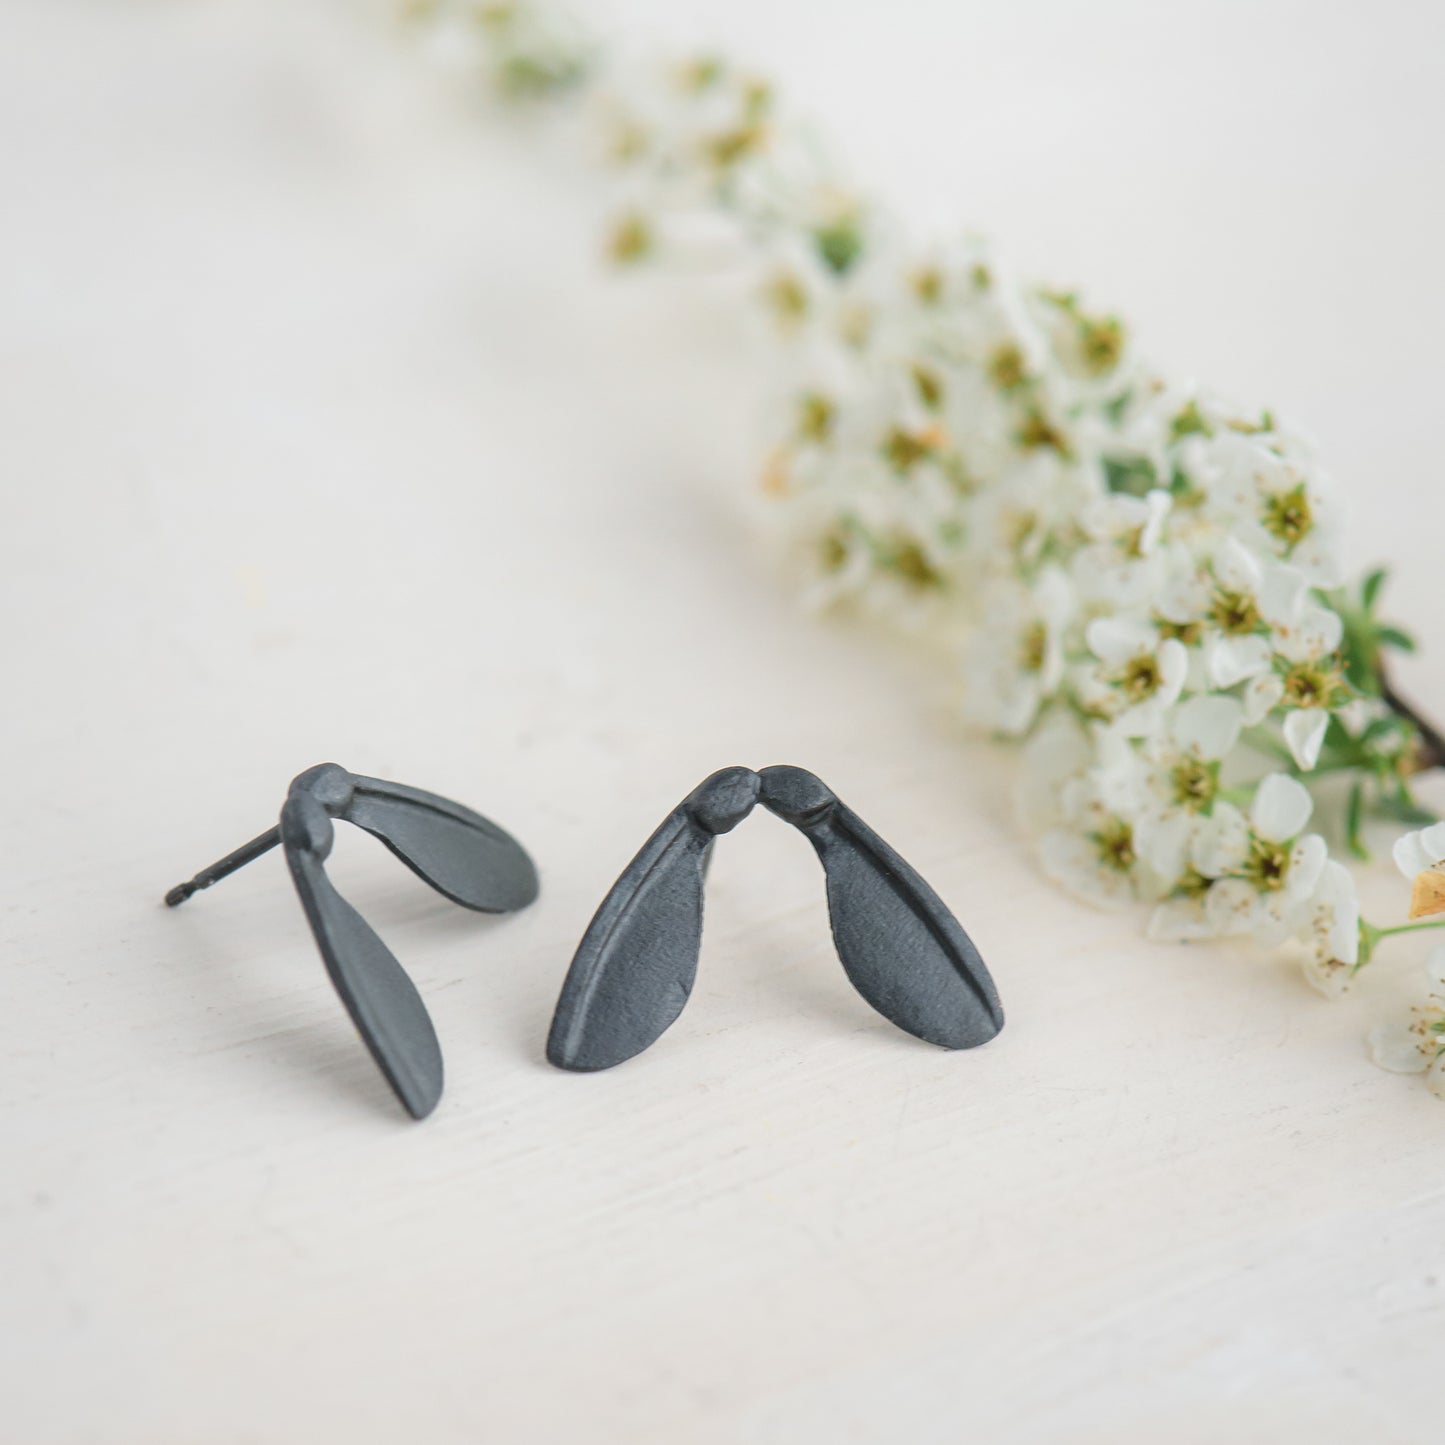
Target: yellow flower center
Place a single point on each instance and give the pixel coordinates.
(1311, 684)
(1267, 866)
(816, 414)
(1006, 367)
(911, 563)
(1115, 841)
(1194, 783)
(1033, 647)
(1101, 343)
(1234, 612)
(1141, 677)
(1288, 515)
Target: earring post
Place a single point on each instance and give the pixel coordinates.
(246, 853)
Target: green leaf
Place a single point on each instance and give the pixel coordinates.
(1354, 817)
(840, 244)
(1116, 406)
(1395, 637)
(1133, 476)
(1370, 587)
(1405, 809)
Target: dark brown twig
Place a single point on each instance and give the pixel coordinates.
(1431, 747)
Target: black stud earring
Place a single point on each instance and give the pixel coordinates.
(899, 945)
(458, 852)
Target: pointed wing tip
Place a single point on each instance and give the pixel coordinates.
(973, 1032)
(422, 1107)
(418, 1094)
(575, 1059)
(528, 888)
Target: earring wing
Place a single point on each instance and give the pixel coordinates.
(899, 944)
(458, 852)
(381, 999)
(634, 969)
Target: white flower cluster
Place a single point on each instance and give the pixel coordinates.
(1144, 565)
(1151, 577)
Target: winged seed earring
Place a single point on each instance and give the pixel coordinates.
(458, 852)
(899, 945)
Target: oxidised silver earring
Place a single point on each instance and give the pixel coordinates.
(458, 852)
(901, 947)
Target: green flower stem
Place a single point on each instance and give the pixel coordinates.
(1371, 936)
(1408, 928)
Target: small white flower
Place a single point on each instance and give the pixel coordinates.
(1181, 920)
(1016, 661)
(1277, 504)
(1183, 778)
(1097, 867)
(1418, 1047)
(1420, 856)
(1131, 526)
(1138, 676)
(1418, 852)
(1093, 852)
(1266, 868)
(1249, 602)
(1305, 678)
(1331, 931)
(1058, 753)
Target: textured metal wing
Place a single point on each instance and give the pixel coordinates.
(381, 999)
(634, 969)
(460, 853)
(901, 947)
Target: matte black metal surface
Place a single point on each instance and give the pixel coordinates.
(634, 969)
(382, 1001)
(900, 946)
(459, 852)
(456, 851)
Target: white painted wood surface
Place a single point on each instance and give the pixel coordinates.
(325, 437)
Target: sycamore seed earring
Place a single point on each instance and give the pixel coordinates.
(458, 852)
(899, 944)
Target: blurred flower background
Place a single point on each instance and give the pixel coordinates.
(1143, 582)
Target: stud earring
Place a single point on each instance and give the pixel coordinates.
(899, 944)
(458, 852)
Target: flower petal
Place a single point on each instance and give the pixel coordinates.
(1306, 863)
(1232, 659)
(1115, 640)
(1208, 726)
(1329, 976)
(1222, 844)
(1281, 595)
(1173, 669)
(1304, 731)
(1410, 856)
(1435, 968)
(1180, 920)
(1282, 807)
(1231, 906)
(1397, 1048)
(1432, 840)
(1260, 698)
(1237, 567)
(1072, 861)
